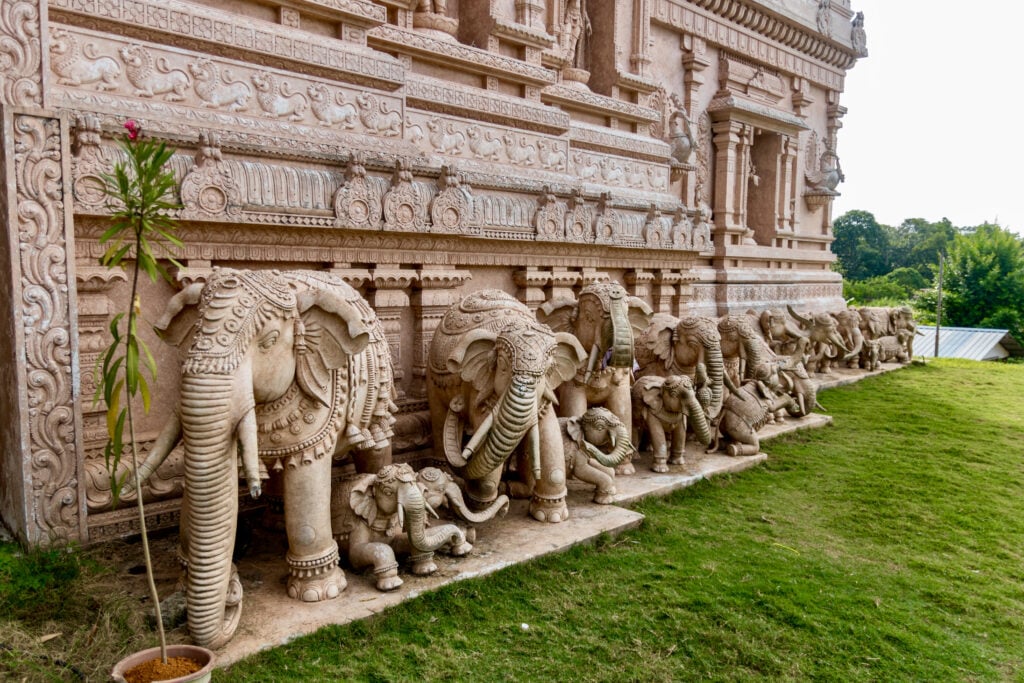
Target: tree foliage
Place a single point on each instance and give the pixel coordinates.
(862, 245)
(984, 280)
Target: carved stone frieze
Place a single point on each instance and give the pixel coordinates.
(608, 223)
(549, 218)
(405, 204)
(579, 219)
(620, 173)
(21, 58)
(42, 293)
(431, 94)
(358, 203)
(219, 32)
(209, 190)
(800, 52)
(623, 143)
(450, 209)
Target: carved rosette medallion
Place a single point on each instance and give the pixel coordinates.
(88, 163)
(608, 225)
(209, 190)
(682, 230)
(357, 203)
(549, 218)
(42, 291)
(450, 209)
(404, 205)
(579, 220)
(655, 234)
(21, 57)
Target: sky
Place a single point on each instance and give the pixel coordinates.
(934, 123)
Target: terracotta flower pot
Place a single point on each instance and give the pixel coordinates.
(200, 654)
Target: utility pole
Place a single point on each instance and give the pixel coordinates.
(938, 309)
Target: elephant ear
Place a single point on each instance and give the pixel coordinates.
(659, 338)
(332, 330)
(558, 314)
(361, 499)
(567, 357)
(473, 360)
(640, 314)
(180, 315)
(651, 393)
(575, 430)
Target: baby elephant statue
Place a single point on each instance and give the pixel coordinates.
(440, 490)
(661, 405)
(378, 516)
(584, 439)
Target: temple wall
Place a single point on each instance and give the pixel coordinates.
(422, 151)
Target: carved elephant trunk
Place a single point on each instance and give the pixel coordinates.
(211, 497)
(515, 415)
(453, 494)
(698, 420)
(622, 447)
(410, 500)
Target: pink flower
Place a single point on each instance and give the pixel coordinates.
(133, 128)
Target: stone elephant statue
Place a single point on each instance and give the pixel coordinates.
(492, 372)
(440, 490)
(376, 517)
(584, 439)
(848, 324)
(605, 320)
(662, 406)
(893, 347)
(826, 342)
(749, 407)
(796, 381)
(783, 336)
(689, 346)
(744, 352)
(280, 369)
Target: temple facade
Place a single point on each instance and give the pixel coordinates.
(421, 149)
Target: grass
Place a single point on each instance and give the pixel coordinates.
(888, 547)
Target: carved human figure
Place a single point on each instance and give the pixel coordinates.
(605, 320)
(661, 407)
(287, 369)
(378, 517)
(491, 376)
(576, 31)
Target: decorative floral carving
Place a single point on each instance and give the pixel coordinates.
(608, 224)
(404, 204)
(43, 296)
(209, 190)
(549, 218)
(450, 209)
(20, 53)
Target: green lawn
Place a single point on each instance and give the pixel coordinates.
(885, 548)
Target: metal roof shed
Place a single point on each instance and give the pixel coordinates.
(967, 342)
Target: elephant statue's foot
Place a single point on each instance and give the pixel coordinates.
(677, 459)
(313, 580)
(519, 489)
(736, 449)
(625, 468)
(552, 510)
(460, 549)
(387, 577)
(605, 497)
(660, 465)
(423, 564)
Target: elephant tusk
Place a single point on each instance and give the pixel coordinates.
(478, 436)
(430, 509)
(401, 516)
(246, 432)
(533, 449)
(595, 353)
(549, 396)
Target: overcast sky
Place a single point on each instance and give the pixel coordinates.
(936, 124)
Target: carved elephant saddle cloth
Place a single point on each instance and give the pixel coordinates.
(297, 429)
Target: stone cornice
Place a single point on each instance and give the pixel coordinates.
(221, 33)
(356, 12)
(433, 94)
(758, 36)
(585, 100)
(521, 34)
(463, 57)
(739, 109)
(585, 136)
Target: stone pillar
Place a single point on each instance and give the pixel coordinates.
(435, 293)
(563, 283)
(390, 299)
(638, 283)
(665, 295)
(787, 185)
(531, 282)
(41, 497)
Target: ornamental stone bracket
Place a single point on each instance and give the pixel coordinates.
(42, 498)
(208, 191)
